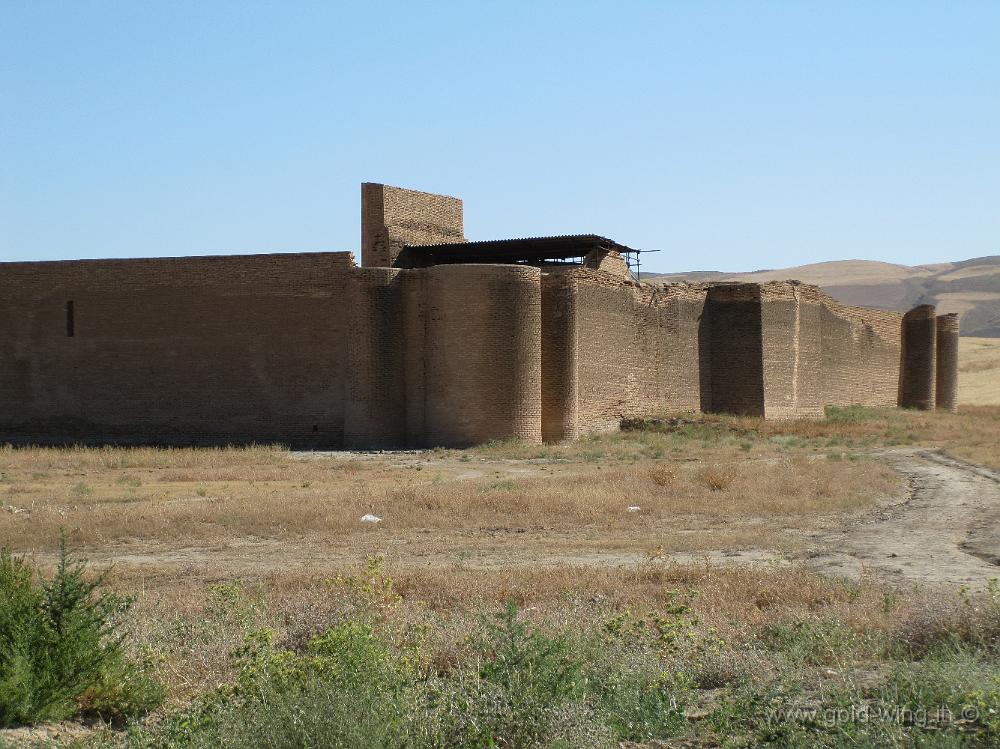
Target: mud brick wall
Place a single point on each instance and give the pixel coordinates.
(946, 375)
(182, 350)
(374, 406)
(559, 358)
(791, 350)
(734, 340)
(392, 217)
(917, 378)
(638, 349)
(861, 353)
(482, 358)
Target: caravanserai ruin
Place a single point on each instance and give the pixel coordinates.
(433, 340)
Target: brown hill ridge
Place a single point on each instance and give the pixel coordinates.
(969, 287)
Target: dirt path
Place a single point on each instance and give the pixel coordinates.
(947, 531)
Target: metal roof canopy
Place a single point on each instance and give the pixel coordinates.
(529, 250)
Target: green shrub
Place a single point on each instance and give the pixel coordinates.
(61, 648)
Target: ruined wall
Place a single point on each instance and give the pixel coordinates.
(560, 358)
(817, 351)
(861, 353)
(919, 354)
(792, 350)
(638, 348)
(946, 374)
(734, 341)
(482, 354)
(184, 350)
(392, 217)
(310, 351)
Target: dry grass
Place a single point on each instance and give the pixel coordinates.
(979, 371)
(106, 497)
(463, 532)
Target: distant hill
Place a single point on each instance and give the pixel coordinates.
(969, 287)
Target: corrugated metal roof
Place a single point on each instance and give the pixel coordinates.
(525, 249)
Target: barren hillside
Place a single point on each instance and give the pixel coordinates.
(969, 287)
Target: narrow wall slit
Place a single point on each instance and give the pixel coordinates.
(70, 321)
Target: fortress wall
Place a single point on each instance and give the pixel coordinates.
(182, 350)
(946, 385)
(392, 217)
(560, 363)
(414, 293)
(374, 406)
(861, 352)
(482, 354)
(791, 349)
(638, 349)
(917, 378)
(735, 343)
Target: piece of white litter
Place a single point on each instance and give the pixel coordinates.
(634, 508)
(371, 519)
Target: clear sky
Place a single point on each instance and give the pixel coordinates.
(730, 135)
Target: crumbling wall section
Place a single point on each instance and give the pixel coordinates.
(791, 350)
(482, 354)
(638, 348)
(861, 353)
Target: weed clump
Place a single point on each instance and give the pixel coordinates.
(718, 477)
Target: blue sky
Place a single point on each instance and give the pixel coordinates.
(730, 135)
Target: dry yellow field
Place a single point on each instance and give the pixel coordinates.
(754, 522)
(979, 371)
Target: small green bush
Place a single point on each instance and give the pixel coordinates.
(61, 648)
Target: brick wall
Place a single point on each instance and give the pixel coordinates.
(185, 350)
(304, 349)
(560, 358)
(392, 217)
(735, 349)
(638, 348)
(482, 354)
(919, 353)
(311, 351)
(374, 410)
(946, 374)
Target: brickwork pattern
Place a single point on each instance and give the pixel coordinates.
(392, 217)
(946, 376)
(919, 355)
(638, 348)
(559, 358)
(483, 344)
(175, 351)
